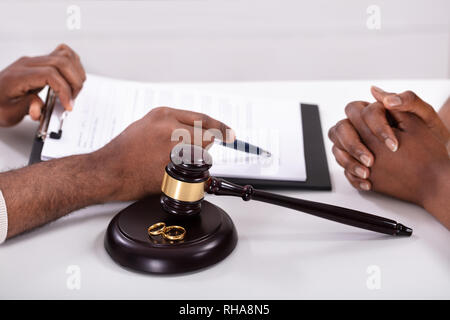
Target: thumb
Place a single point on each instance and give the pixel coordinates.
(379, 94)
(35, 106)
(408, 101)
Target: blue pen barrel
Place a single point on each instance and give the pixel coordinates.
(243, 146)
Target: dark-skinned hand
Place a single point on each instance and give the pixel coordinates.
(21, 82)
(138, 156)
(415, 168)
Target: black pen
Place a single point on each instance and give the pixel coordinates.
(244, 147)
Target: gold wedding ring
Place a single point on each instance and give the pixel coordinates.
(179, 233)
(157, 229)
(173, 233)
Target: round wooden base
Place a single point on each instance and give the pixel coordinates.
(210, 238)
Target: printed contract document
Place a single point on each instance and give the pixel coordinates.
(105, 107)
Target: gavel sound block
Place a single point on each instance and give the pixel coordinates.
(210, 232)
(211, 235)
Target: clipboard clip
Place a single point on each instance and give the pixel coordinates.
(46, 114)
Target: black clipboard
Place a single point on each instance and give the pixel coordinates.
(43, 132)
(318, 176)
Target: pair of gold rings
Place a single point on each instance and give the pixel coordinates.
(173, 233)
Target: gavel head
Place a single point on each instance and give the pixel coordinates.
(184, 179)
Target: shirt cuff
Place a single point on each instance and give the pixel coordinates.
(3, 219)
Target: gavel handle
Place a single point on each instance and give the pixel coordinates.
(346, 216)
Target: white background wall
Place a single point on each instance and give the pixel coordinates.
(203, 40)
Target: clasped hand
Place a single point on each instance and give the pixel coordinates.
(397, 145)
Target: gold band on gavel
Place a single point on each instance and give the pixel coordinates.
(182, 191)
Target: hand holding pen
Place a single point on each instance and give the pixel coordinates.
(26, 77)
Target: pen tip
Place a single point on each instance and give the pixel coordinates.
(404, 230)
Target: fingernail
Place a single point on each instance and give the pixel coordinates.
(391, 144)
(71, 103)
(34, 111)
(393, 101)
(365, 159)
(230, 136)
(377, 89)
(360, 172)
(364, 186)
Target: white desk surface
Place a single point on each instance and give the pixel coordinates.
(281, 254)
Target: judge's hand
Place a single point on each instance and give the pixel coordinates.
(379, 118)
(21, 82)
(135, 160)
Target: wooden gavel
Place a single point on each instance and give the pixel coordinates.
(187, 179)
